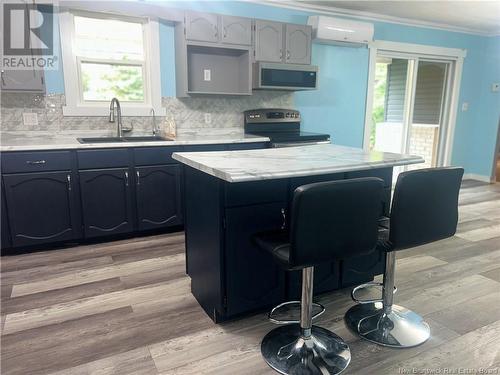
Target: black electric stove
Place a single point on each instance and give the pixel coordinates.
(281, 126)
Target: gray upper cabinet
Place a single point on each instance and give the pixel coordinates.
(298, 44)
(22, 80)
(268, 41)
(236, 30)
(202, 27)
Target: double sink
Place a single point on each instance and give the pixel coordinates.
(151, 138)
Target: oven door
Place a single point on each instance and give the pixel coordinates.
(298, 143)
(285, 76)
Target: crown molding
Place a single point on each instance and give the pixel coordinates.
(334, 11)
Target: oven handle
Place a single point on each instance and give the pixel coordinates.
(295, 144)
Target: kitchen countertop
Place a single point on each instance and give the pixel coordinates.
(27, 141)
(271, 163)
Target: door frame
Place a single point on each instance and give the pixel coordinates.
(454, 55)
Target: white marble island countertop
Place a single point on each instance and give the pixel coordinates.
(271, 163)
(33, 141)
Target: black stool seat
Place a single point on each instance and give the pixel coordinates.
(277, 243)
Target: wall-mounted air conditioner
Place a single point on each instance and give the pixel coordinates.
(331, 30)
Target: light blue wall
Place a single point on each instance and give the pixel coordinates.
(338, 106)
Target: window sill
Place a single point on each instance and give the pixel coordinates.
(97, 111)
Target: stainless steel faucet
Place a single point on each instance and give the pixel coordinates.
(155, 129)
(114, 101)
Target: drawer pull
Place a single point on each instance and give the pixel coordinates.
(35, 162)
(138, 174)
(126, 178)
(68, 177)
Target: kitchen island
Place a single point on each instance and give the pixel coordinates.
(230, 195)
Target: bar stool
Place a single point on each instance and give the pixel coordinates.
(424, 209)
(329, 221)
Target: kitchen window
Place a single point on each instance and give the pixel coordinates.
(108, 56)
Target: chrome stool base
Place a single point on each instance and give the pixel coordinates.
(401, 328)
(288, 352)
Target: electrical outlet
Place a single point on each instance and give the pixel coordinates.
(207, 74)
(495, 87)
(30, 119)
(465, 106)
(208, 118)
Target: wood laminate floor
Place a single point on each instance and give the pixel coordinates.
(125, 308)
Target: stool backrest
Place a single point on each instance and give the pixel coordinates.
(425, 206)
(334, 220)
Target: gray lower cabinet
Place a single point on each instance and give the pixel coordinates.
(158, 196)
(268, 41)
(236, 30)
(298, 44)
(106, 201)
(202, 27)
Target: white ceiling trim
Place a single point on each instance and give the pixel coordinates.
(333, 11)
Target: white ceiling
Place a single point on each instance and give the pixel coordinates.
(475, 16)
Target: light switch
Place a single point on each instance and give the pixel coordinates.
(30, 119)
(208, 118)
(465, 106)
(495, 87)
(207, 74)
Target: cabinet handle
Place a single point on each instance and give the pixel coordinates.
(1, 75)
(216, 31)
(126, 178)
(35, 162)
(225, 32)
(68, 177)
(283, 213)
(288, 55)
(138, 174)
(281, 54)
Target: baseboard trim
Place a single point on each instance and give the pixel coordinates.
(479, 177)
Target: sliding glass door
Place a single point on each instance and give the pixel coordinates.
(410, 105)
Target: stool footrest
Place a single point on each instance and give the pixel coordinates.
(272, 314)
(364, 286)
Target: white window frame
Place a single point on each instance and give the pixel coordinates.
(419, 51)
(75, 106)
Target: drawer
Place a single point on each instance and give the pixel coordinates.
(383, 173)
(106, 158)
(14, 162)
(253, 192)
(155, 155)
(202, 148)
(247, 146)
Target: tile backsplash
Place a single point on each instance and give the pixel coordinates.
(187, 113)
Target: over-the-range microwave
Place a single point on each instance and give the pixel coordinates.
(276, 76)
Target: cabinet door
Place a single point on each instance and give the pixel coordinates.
(298, 44)
(22, 80)
(5, 232)
(106, 201)
(236, 30)
(202, 27)
(268, 41)
(253, 278)
(158, 196)
(41, 207)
